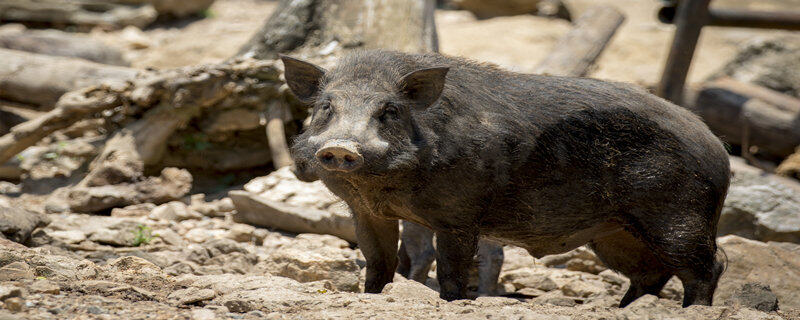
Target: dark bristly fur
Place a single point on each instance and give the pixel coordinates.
(545, 163)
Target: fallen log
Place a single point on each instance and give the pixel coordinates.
(71, 108)
(173, 98)
(41, 79)
(576, 51)
(63, 44)
(80, 13)
(750, 115)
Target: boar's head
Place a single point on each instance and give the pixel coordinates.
(363, 121)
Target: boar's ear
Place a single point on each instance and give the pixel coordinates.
(302, 77)
(424, 85)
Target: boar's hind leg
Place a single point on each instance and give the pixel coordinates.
(377, 239)
(416, 252)
(490, 261)
(623, 252)
(685, 243)
(454, 252)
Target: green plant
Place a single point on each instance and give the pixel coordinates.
(143, 235)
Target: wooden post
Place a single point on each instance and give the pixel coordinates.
(692, 15)
(581, 46)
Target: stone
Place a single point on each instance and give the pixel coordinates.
(203, 314)
(313, 257)
(45, 286)
(68, 236)
(118, 238)
(584, 288)
(555, 298)
(192, 295)
(767, 62)
(174, 211)
(761, 207)
(240, 306)
(281, 201)
(17, 224)
(776, 264)
(755, 296)
(583, 265)
(15, 271)
(529, 278)
(15, 304)
(411, 290)
(241, 232)
(9, 292)
(136, 210)
(202, 235)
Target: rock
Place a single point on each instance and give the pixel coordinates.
(755, 296)
(14, 271)
(411, 290)
(240, 306)
(516, 258)
(203, 235)
(45, 286)
(613, 278)
(172, 184)
(134, 38)
(68, 236)
(309, 259)
(45, 264)
(555, 298)
(529, 278)
(754, 261)
(174, 211)
(582, 256)
(241, 232)
(768, 62)
(192, 295)
(136, 210)
(120, 238)
(761, 207)
(584, 265)
(9, 292)
(203, 314)
(15, 304)
(169, 236)
(584, 288)
(17, 224)
(281, 201)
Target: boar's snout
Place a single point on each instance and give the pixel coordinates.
(340, 155)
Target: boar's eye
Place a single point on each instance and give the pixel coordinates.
(390, 112)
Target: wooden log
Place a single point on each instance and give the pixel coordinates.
(749, 115)
(176, 96)
(63, 44)
(81, 13)
(41, 79)
(276, 135)
(404, 25)
(580, 47)
(70, 109)
(691, 16)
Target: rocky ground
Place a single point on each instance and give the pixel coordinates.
(190, 259)
(204, 258)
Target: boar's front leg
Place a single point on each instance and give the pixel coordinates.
(454, 252)
(377, 239)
